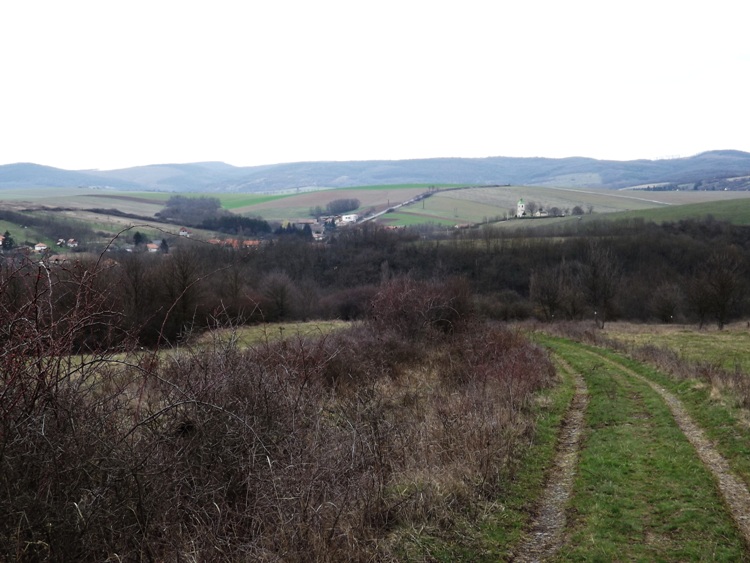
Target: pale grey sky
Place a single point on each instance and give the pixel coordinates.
(103, 84)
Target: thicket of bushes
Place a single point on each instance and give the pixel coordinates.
(295, 450)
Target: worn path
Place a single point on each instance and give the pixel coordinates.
(546, 534)
(735, 492)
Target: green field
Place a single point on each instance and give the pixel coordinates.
(408, 219)
(736, 211)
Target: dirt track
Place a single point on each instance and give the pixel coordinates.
(547, 533)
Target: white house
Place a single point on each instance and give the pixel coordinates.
(40, 247)
(351, 218)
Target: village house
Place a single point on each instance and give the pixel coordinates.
(40, 247)
(151, 247)
(184, 232)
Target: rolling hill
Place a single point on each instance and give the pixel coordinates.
(219, 177)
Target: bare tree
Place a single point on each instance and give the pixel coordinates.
(666, 300)
(601, 279)
(546, 290)
(724, 282)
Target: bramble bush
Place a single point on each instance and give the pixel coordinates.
(297, 450)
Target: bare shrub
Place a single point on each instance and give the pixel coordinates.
(348, 304)
(294, 450)
(414, 308)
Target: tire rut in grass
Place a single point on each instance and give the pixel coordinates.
(546, 533)
(734, 491)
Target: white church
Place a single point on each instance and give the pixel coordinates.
(521, 208)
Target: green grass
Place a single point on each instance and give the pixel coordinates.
(21, 235)
(723, 422)
(641, 493)
(471, 205)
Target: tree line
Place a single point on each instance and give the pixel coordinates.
(689, 271)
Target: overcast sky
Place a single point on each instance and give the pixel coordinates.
(103, 84)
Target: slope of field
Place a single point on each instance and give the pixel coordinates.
(296, 207)
(735, 210)
(448, 206)
(481, 204)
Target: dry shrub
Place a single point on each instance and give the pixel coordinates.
(348, 304)
(413, 309)
(298, 450)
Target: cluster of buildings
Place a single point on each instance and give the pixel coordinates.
(154, 246)
(521, 211)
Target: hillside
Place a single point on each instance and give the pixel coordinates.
(564, 172)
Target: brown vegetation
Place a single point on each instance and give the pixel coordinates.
(294, 450)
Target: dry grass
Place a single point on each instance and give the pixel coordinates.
(727, 347)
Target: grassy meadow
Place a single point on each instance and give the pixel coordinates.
(726, 348)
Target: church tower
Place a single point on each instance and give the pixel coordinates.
(521, 208)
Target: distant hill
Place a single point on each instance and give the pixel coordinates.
(219, 177)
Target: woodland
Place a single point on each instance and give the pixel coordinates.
(689, 271)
